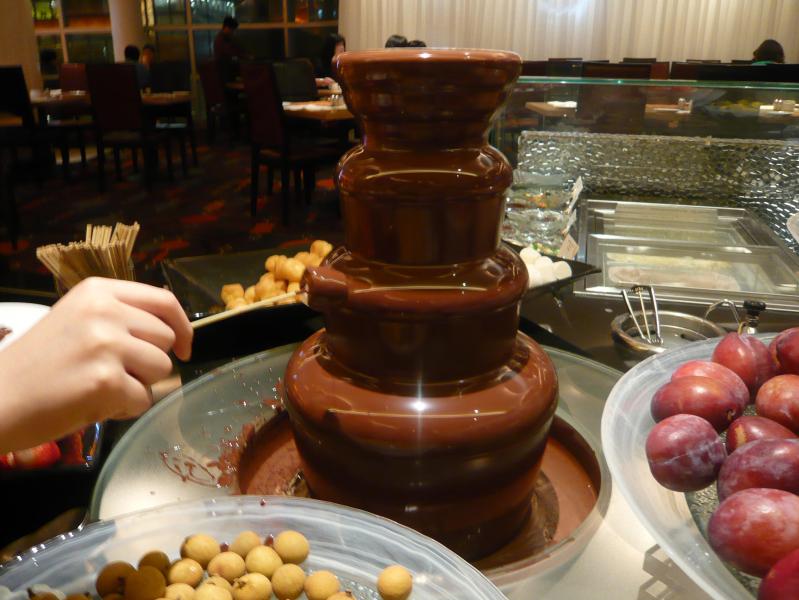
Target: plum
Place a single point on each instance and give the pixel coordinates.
(754, 528)
(782, 581)
(778, 400)
(761, 464)
(748, 357)
(706, 368)
(748, 429)
(785, 350)
(685, 453)
(700, 396)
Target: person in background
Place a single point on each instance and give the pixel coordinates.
(48, 65)
(417, 44)
(227, 51)
(102, 346)
(397, 41)
(132, 55)
(147, 55)
(334, 45)
(769, 52)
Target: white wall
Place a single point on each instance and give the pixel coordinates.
(17, 40)
(591, 29)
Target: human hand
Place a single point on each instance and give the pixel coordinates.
(93, 357)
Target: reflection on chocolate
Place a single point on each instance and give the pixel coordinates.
(421, 401)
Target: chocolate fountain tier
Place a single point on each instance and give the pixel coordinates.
(425, 187)
(438, 323)
(456, 460)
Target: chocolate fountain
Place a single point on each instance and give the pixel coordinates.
(421, 401)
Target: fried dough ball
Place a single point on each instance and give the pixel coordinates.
(111, 579)
(394, 583)
(145, 584)
(249, 294)
(341, 596)
(321, 585)
(294, 286)
(316, 260)
(288, 582)
(186, 570)
(273, 261)
(291, 546)
(228, 565)
(178, 591)
(303, 257)
(263, 560)
(218, 580)
(252, 586)
(290, 269)
(156, 559)
(236, 303)
(211, 592)
(247, 540)
(231, 291)
(280, 285)
(321, 248)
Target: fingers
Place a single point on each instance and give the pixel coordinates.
(158, 302)
(136, 399)
(144, 361)
(148, 327)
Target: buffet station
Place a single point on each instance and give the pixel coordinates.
(567, 370)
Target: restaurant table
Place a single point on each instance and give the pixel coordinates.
(238, 86)
(317, 110)
(10, 120)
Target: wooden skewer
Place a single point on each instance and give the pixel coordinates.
(242, 309)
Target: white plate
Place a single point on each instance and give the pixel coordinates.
(793, 226)
(626, 422)
(19, 317)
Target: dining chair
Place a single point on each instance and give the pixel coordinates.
(120, 122)
(564, 67)
(629, 59)
(216, 100)
(77, 120)
(295, 80)
(173, 119)
(29, 137)
(534, 68)
(684, 70)
(272, 143)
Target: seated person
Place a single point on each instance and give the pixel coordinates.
(397, 41)
(334, 45)
(142, 73)
(417, 44)
(767, 53)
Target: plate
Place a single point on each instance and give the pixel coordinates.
(626, 422)
(19, 317)
(197, 281)
(354, 545)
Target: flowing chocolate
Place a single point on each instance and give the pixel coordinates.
(421, 401)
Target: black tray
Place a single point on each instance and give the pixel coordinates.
(579, 271)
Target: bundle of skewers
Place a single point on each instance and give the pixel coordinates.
(105, 252)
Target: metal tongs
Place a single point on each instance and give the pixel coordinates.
(639, 291)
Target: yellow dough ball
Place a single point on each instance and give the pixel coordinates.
(185, 570)
(394, 583)
(303, 257)
(249, 294)
(291, 546)
(211, 592)
(288, 582)
(291, 270)
(321, 585)
(200, 547)
(263, 560)
(246, 540)
(220, 581)
(156, 559)
(262, 291)
(179, 591)
(231, 291)
(236, 303)
(228, 565)
(147, 583)
(111, 579)
(273, 261)
(294, 286)
(316, 260)
(321, 248)
(252, 586)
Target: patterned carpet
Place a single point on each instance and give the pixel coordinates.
(204, 212)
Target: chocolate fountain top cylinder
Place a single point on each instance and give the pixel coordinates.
(425, 188)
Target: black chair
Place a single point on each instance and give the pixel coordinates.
(295, 80)
(617, 71)
(214, 94)
(273, 144)
(534, 68)
(170, 76)
(741, 61)
(684, 70)
(120, 122)
(628, 59)
(173, 119)
(703, 61)
(564, 68)
(73, 120)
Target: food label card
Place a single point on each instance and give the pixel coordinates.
(569, 248)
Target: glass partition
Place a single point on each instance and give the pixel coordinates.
(742, 110)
